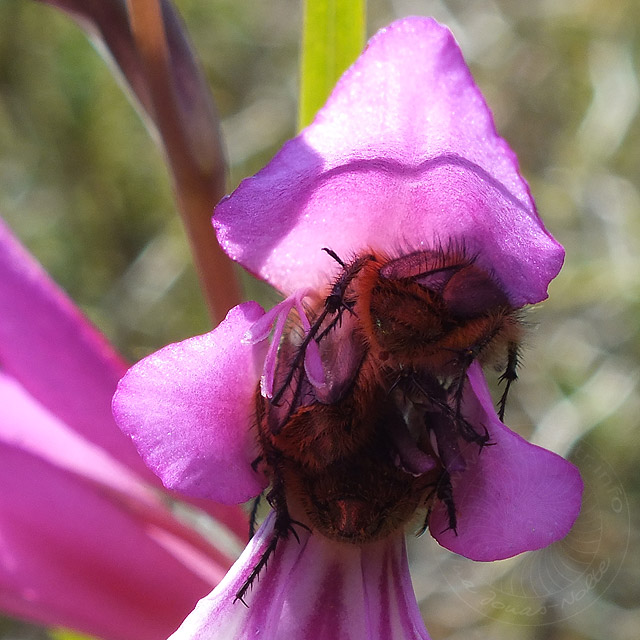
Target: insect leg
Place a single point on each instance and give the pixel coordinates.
(444, 491)
(282, 527)
(465, 428)
(253, 515)
(428, 499)
(509, 376)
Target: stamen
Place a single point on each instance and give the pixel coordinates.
(261, 329)
(269, 369)
(312, 360)
(413, 459)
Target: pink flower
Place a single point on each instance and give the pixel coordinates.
(401, 168)
(88, 539)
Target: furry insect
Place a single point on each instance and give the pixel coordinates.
(358, 455)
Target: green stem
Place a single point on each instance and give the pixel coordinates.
(333, 37)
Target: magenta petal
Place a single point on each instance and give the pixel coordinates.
(188, 408)
(84, 542)
(72, 554)
(514, 497)
(314, 589)
(56, 355)
(403, 155)
(64, 364)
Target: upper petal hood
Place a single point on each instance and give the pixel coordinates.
(404, 153)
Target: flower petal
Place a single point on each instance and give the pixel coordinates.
(75, 555)
(25, 424)
(404, 152)
(56, 355)
(315, 588)
(513, 497)
(49, 348)
(188, 408)
(84, 542)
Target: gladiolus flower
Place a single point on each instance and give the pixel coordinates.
(87, 537)
(404, 162)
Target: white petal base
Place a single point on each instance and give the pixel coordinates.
(316, 589)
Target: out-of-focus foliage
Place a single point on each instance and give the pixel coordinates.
(86, 190)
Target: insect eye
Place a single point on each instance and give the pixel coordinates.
(436, 280)
(471, 292)
(429, 269)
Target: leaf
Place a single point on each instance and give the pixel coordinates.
(333, 37)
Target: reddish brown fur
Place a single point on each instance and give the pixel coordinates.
(335, 461)
(406, 324)
(396, 337)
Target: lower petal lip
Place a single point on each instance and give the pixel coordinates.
(505, 488)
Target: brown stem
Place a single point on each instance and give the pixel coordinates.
(199, 183)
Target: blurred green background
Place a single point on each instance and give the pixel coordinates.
(86, 190)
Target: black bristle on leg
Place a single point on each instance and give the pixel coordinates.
(425, 524)
(283, 526)
(255, 572)
(444, 491)
(509, 376)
